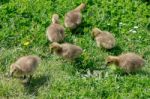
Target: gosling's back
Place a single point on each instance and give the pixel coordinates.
(69, 51)
(106, 40)
(131, 62)
(55, 33)
(28, 64)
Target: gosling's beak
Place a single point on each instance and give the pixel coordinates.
(92, 38)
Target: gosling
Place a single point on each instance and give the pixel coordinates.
(74, 17)
(24, 67)
(66, 50)
(55, 32)
(129, 62)
(103, 38)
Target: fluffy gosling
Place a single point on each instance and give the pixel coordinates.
(103, 38)
(74, 17)
(129, 62)
(24, 66)
(55, 32)
(66, 50)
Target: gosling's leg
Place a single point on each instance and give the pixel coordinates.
(30, 77)
(24, 76)
(25, 79)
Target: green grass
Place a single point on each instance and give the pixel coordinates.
(24, 21)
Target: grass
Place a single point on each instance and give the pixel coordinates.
(22, 32)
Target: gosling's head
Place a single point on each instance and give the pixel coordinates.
(55, 47)
(13, 69)
(96, 32)
(81, 7)
(55, 18)
(112, 60)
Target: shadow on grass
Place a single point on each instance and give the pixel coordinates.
(146, 1)
(116, 50)
(1, 26)
(139, 72)
(148, 27)
(4, 1)
(80, 28)
(35, 84)
(82, 65)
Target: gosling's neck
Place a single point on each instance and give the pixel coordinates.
(80, 7)
(55, 19)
